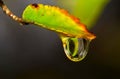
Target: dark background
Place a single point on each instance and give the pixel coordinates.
(31, 52)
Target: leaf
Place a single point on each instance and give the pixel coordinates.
(56, 19)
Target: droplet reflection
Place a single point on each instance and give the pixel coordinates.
(75, 48)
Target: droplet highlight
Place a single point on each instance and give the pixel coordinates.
(75, 49)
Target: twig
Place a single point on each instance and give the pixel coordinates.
(10, 14)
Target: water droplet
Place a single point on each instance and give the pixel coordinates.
(75, 48)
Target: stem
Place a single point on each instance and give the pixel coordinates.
(7, 11)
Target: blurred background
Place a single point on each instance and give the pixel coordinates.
(31, 52)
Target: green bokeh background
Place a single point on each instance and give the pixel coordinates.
(88, 11)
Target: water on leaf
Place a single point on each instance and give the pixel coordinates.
(75, 48)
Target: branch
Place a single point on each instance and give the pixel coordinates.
(7, 11)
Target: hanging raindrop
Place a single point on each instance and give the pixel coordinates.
(75, 48)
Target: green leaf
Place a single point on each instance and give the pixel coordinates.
(56, 19)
